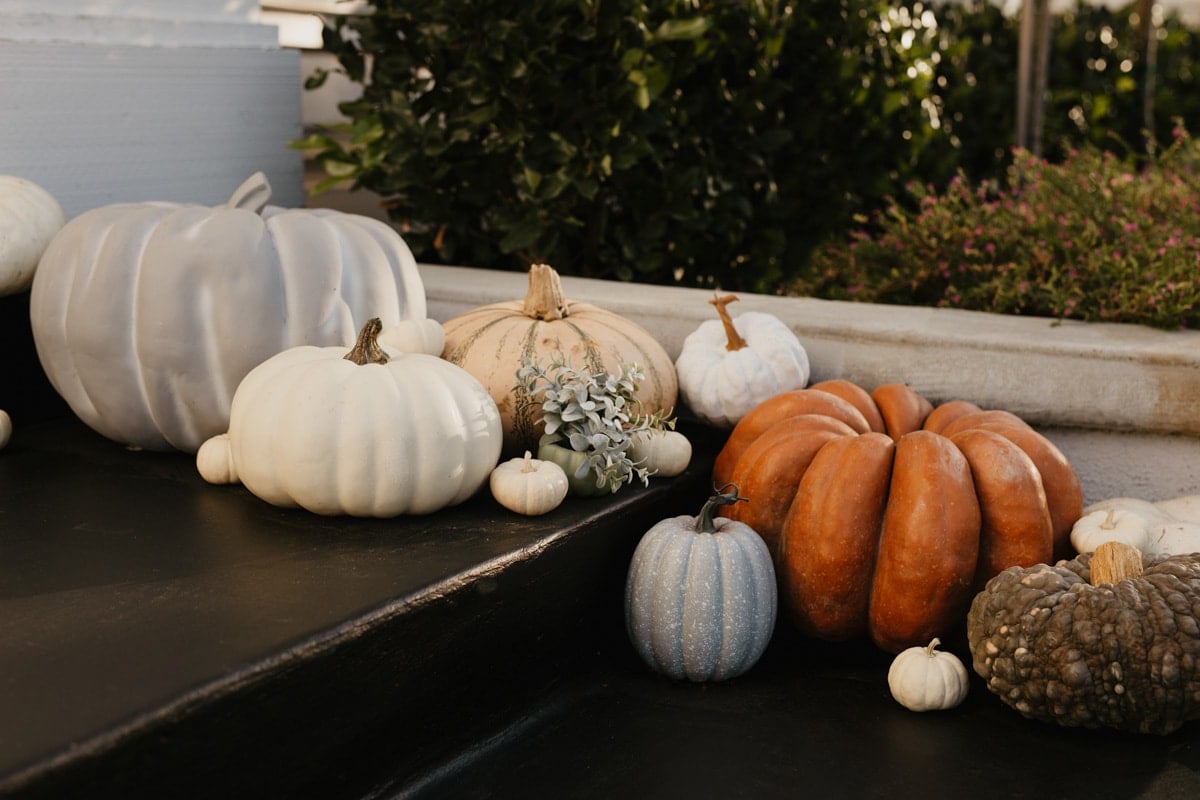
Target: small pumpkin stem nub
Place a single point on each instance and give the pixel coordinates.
(527, 464)
(544, 299)
(366, 349)
(1113, 562)
(704, 520)
(734, 340)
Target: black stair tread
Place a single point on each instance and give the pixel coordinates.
(133, 594)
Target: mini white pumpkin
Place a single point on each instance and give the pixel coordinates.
(726, 369)
(29, 218)
(415, 336)
(146, 316)
(529, 485)
(5, 428)
(666, 453)
(369, 433)
(1165, 528)
(700, 596)
(928, 679)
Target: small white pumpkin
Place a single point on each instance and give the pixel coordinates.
(368, 433)
(700, 596)
(5, 428)
(666, 453)
(29, 218)
(1165, 528)
(529, 485)
(146, 316)
(214, 461)
(724, 370)
(415, 336)
(928, 679)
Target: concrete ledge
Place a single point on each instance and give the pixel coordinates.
(1122, 401)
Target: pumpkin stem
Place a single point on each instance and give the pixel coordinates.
(527, 466)
(252, 195)
(704, 521)
(544, 299)
(366, 348)
(929, 648)
(1110, 521)
(1113, 562)
(734, 340)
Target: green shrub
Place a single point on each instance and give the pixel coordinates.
(690, 141)
(1089, 238)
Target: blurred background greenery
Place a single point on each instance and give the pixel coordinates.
(747, 144)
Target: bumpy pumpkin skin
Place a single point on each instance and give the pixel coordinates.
(870, 541)
(491, 341)
(1121, 655)
(146, 316)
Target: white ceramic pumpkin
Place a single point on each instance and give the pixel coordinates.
(528, 485)
(928, 679)
(727, 367)
(29, 218)
(5, 428)
(1163, 528)
(700, 596)
(370, 433)
(146, 316)
(415, 336)
(666, 453)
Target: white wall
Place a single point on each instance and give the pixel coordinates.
(109, 101)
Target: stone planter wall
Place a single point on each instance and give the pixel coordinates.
(1121, 401)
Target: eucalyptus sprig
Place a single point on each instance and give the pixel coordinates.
(589, 412)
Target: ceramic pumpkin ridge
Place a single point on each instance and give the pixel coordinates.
(491, 342)
(146, 316)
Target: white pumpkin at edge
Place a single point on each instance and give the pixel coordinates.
(5, 428)
(928, 679)
(1162, 528)
(29, 218)
(146, 316)
(726, 369)
(371, 433)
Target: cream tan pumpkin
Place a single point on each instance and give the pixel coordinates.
(490, 342)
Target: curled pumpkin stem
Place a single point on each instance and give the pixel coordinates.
(734, 340)
(720, 497)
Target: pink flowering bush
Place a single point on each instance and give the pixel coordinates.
(1092, 238)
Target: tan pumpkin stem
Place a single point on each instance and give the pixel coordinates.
(1114, 562)
(544, 299)
(366, 349)
(734, 340)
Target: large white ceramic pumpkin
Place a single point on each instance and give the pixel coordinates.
(370, 433)
(146, 316)
(29, 218)
(491, 342)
